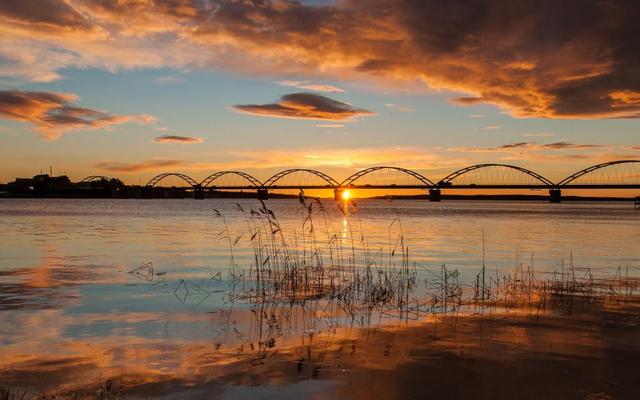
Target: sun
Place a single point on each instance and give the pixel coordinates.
(346, 195)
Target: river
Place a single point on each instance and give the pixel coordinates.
(141, 287)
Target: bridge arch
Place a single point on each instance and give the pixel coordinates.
(571, 178)
(92, 178)
(353, 178)
(275, 178)
(216, 175)
(448, 180)
(156, 179)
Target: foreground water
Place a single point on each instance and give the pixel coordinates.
(76, 307)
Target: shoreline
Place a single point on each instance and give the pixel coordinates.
(277, 196)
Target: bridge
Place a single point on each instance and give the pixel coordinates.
(621, 174)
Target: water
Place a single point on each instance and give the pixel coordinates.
(67, 297)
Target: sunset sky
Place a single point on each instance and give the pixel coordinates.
(132, 88)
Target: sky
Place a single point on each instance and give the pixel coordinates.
(133, 88)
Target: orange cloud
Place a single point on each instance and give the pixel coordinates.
(53, 114)
(305, 106)
(580, 63)
(625, 98)
(47, 16)
(567, 145)
(148, 165)
(307, 85)
(178, 139)
(467, 101)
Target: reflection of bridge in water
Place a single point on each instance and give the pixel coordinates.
(623, 174)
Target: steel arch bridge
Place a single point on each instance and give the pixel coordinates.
(609, 181)
(272, 181)
(539, 180)
(156, 179)
(424, 181)
(621, 174)
(206, 182)
(92, 178)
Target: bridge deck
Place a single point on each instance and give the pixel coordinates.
(425, 187)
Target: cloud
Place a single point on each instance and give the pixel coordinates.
(329, 126)
(557, 151)
(44, 15)
(178, 139)
(518, 145)
(578, 59)
(53, 114)
(467, 101)
(477, 116)
(528, 146)
(308, 85)
(567, 145)
(625, 98)
(490, 127)
(305, 106)
(147, 165)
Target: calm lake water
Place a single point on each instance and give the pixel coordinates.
(74, 308)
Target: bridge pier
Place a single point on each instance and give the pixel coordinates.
(263, 194)
(555, 195)
(337, 194)
(435, 194)
(198, 193)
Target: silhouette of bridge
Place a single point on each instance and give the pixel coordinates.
(622, 174)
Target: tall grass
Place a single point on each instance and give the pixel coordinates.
(318, 265)
(354, 280)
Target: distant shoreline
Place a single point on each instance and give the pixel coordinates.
(509, 197)
(274, 196)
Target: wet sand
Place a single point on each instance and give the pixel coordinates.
(493, 355)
